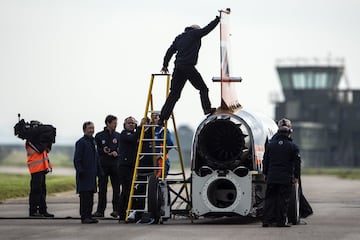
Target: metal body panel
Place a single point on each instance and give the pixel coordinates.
(241, 203)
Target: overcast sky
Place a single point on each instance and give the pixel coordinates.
(67, 61)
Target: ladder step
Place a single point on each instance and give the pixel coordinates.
(141, 182)
(149, 154)
(161, 147)
(151, 125)
(152, 139)
(139, 196)
(137, 210)
(149, 168)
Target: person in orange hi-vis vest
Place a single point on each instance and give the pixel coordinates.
(39, 165)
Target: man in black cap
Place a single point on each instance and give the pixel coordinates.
(186, 46)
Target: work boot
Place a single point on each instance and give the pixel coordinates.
(48, 215)
(98, 214)
(89, 221)
(266, 224)
(36, 215)
(283, 225)
(114, 214)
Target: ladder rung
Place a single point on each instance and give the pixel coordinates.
(141, 182)
(161, 147)
(150, 154)
(153, 139)
(149, 168)
(151, 125)
(137, 210)
(160, 74)
(139, 196)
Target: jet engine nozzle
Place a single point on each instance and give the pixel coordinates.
(222, 144)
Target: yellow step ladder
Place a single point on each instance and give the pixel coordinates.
(151, 191)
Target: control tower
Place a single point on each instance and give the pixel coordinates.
(325, 118)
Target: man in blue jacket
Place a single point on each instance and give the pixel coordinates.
(281, 164)
(186, 46)
(86, 164)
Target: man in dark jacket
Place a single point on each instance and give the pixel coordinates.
(108, 147)
(186, 46)
(281, 164)
(86, 164)
(128, 142)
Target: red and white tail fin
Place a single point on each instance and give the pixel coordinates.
(229, 100)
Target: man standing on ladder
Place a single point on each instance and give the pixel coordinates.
(186, 46)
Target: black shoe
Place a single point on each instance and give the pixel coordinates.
(265, 224)
(89, 221)
(210, 111)
(36, 215)
(48, 215)
(283, 225)
(114, 214)
(98, 214)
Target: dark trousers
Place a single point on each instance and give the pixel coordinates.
(126, 174)
(86, 204)
(37, 197)
(276, 203)
(111, 171)
(180, 76)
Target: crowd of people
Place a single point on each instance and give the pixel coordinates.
(112, 155)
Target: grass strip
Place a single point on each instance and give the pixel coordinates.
(18, 185)
(345, 173)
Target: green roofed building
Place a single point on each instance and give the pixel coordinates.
(326, 119)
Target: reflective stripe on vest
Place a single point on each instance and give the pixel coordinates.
(30, 151)
(38, 162)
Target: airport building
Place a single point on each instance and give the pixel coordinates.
(326, 119)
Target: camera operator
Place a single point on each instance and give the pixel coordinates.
(39, 139)
(39, 165)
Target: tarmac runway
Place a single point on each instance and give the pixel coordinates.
(336, 205)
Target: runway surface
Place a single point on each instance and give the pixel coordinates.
(336, 205)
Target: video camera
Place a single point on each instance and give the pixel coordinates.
(41, 136)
